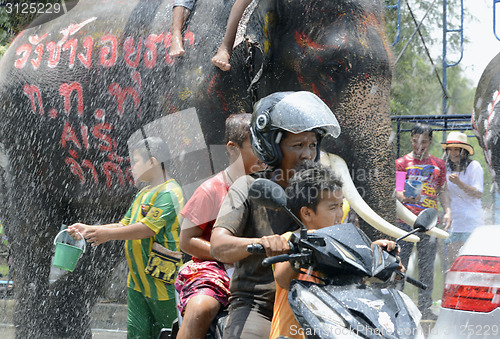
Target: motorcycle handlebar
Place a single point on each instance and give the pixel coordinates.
(276, 259)
(413, 281)
(255, 248)
(258, 248)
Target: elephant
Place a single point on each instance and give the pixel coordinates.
(485, 116)
(88, 82)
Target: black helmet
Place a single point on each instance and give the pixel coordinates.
(293, 112)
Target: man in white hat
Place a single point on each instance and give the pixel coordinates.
(465, 184)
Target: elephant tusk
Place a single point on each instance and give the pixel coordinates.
(356, 201)
(408, 217)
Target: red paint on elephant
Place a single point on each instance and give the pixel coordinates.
(121, 94)
(39, 52)
(53, 113)
(69, 135)
(151, 52)
(99, 114)
(86, 59)
(110, 167)
(109, 49)
(130, 51)
(25, 51)
(108, 143)
(76, 140)
(30, 91)
(73, 153)
(54, 50)
(108, 53)
(75, 168)
(71, 45)
(84, 130)
(35, 39)
(304, 42)
(65, 90)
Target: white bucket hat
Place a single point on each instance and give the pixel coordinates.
(457, 139)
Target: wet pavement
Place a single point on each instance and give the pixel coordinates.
(8, 332)
(109, 320)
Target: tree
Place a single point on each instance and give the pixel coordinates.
(416, 89)
(14, 19)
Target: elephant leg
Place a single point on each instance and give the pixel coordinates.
(73, 295)
(31, 252)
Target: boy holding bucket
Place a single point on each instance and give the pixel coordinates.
(151, 230)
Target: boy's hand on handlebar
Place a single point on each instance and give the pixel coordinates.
(401, 269)
(387, 245)
(274, 245)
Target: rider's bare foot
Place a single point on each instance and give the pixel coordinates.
(176, 47)
(221, 60)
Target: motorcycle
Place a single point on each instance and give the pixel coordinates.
(356, 298)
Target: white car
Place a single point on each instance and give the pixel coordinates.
(470, 307)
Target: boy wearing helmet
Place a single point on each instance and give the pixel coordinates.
(286, 129)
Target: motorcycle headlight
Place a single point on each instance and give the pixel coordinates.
(333, 325)
(320, 309)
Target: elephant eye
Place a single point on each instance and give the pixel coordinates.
(334, 67)
(338, 65)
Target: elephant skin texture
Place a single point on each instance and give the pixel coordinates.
(486, 115)
(77, 89)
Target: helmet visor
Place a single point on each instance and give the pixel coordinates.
(304, 111)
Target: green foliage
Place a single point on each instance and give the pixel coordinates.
(416, 89)
(13, 23)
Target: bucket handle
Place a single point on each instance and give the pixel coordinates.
(83, 239)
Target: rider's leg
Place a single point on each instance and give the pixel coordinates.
(180, 15)
(199, 314)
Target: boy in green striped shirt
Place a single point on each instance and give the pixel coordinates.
(153, 217)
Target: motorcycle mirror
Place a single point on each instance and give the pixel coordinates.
(267, 193)
(426, 220)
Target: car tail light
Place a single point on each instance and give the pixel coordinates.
(473, 284)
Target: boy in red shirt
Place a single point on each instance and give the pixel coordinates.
(431, 171)
(203, 285)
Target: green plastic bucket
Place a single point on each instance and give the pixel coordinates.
(66, 255)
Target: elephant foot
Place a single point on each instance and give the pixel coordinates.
(221, 60)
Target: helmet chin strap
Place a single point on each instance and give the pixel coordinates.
(318, 151)
(279, 136)
(277, 149)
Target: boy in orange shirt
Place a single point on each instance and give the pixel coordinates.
(315, 197)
